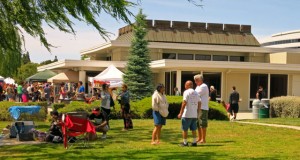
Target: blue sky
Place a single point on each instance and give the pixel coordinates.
(266, 17)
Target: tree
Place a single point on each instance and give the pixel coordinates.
(26, 58)
(25, 71)
(9, 62)
(138, 75)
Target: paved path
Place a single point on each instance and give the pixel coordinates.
(272, 125)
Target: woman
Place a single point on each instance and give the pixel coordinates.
(212, 94)
(105, 99)
(62, 92)
(10, 93)
(25, 94)
(160, 112)
(125, 107)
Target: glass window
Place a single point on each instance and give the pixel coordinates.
(213, 79)
(257, 80)
(237, 58)
(220, 58)
(186, 56)
(278, 86)
(202, 57)
(169, 55)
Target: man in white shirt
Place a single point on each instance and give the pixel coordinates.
(188, 113)
(203, 93)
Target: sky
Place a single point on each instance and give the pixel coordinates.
(266, 17)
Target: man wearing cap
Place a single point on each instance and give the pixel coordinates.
(100, 121)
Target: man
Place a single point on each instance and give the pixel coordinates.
(100, 121)
(80, 94)
(203, 92)
(260, 93)
(234, 103)
(47, 91)
(19, 91)
(188, 113)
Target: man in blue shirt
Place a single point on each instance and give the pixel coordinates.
(80, 94)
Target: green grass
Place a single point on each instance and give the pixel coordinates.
(225, 140)
(283, 121)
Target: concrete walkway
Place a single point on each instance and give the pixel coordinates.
(271, 125)
(249, 115)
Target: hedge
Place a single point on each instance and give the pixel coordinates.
(5, 115)
(142, 109)
(286, 106)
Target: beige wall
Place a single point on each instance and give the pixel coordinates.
(257, 57)
(279, 58)
(241, 82)
(293, 58)
(296, 85)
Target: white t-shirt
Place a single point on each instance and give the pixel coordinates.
(203, 93)
(192, 99)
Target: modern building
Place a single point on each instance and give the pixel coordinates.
(226, 54)
(290, 39)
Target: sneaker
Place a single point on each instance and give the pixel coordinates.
(184, 145)
(194, 144)
(103, 136)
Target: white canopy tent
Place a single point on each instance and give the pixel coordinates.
(110, 75)
(9, 80)
(1, 79)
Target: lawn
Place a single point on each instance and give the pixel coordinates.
(283, 121)
(225, 140)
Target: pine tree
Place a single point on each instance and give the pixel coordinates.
(138, 75)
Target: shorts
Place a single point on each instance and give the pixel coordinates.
(234, 108)
(158, 119)
(101, 129)
(202, 119)
(187, 123)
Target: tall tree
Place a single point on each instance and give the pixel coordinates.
(138, 75)
(26, 58)
(25, 71)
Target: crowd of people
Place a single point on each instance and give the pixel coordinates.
(26, 92)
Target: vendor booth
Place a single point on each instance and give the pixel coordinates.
(41, 76)
(66, 77)
(111, 75)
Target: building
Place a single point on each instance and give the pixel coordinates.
(226, 54)
(290, 39)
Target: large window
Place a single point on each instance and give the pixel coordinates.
(170, 82)
(213, 79)
(257, 80)
(278, 85)
(169, 55)
(186, 56)
(202, 57)
(237, 58)
(220, 58)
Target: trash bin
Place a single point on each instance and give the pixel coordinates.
(264, 109)
(255, 107)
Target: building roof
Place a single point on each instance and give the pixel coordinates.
(41, 76)
(194, 33)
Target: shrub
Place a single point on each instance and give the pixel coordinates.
(82, 106)
(5, 115)
(56, 106)
(143, 109)
(287, 106)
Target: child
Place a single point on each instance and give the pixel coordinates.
(227, 106)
